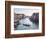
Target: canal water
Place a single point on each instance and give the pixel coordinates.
(26, 24)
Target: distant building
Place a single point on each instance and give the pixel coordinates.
(35, 18)
(17, 17)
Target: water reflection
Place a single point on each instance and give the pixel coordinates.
(27, 23)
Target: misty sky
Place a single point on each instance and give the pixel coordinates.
(25, 11)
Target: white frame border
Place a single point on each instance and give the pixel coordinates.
(25, 31)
